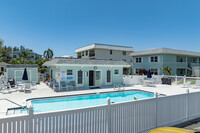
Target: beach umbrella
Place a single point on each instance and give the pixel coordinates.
(25, 75)
(149, 74)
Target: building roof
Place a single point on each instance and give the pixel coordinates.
(21, 66)
(104, 46)
(165, 51)
(3, 64)
(85, 62)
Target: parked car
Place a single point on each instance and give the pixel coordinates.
(172, 130)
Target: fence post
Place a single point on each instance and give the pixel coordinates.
(156, 119)
(187, 105)
(176, 80)
(108, 116)
(30, 119)
(184, 79)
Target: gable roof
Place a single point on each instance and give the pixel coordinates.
(85, 62)
(165, 51)
(104, 46)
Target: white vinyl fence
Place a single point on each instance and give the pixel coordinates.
(135, 79)
(128, 117)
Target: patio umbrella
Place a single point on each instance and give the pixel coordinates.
(25, 75)
(149, 74)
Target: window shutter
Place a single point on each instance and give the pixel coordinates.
(141, 59)
(158, 58)
(149, 59)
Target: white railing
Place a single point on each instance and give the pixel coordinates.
(127, 117)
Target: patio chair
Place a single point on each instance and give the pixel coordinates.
(56, 86)
(34, 85)
(63, 86)
(72, 85)
(197, 84)
(27, 87)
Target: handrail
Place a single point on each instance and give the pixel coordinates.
(11, 101)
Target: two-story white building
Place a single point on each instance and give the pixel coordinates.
(106, 52)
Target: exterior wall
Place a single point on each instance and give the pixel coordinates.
(115, 78)
(105, 54)
(171, 61)
(146, 64)
(34, 56)
(16, 73)
(116, 55)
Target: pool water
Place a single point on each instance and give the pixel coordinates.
(64, 103)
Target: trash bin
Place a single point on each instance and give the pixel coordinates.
(12, 82)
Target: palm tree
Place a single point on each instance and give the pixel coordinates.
(167, 70)
(5, 54)
(48, 53)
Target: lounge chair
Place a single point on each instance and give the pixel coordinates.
(187, 84)
(27, 87)
(197, 84)
(5, 90)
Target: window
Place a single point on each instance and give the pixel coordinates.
(83, 53)
(154, 59)
(69, 72)
(154, 71)
(116, 71)
(199, 60)
(14, 56)
(86, 53)
(2, 69)
(124, 52)
(108, 76)
(80, 77)
(138, 60)
(124, 60)
(110, 51)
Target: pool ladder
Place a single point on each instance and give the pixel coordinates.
(119, 87)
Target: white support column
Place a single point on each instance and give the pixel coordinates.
(184, 80)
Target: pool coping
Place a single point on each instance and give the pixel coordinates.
(28, 101)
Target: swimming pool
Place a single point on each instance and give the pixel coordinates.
(54, 104)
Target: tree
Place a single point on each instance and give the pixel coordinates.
(1, 43)
(48, 54)
(24, 54)
(5, 54)
(17, 61)
(167, 70)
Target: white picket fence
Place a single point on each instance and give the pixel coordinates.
(127, 117)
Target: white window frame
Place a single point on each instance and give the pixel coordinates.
(100, 75)
(79, 85)
(158, 59)
(109, 83)
(67, 72)
(138, 59)
(117, 73)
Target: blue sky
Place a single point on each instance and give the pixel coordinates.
(64, 25)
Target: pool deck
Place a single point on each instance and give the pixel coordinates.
(44, 91)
